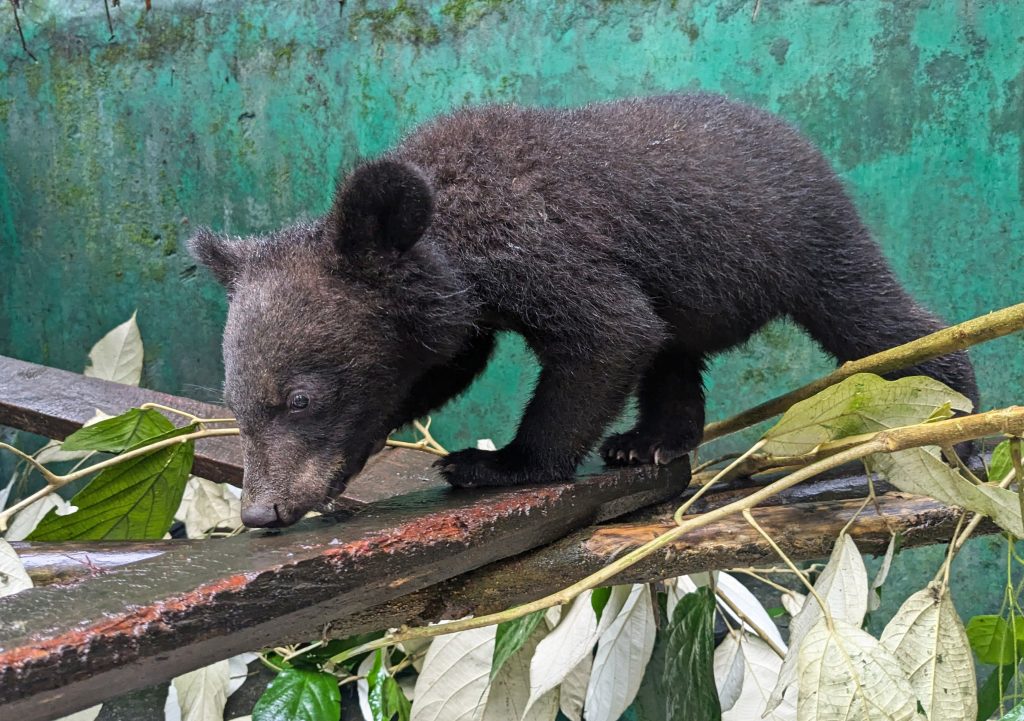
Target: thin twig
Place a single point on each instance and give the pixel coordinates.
(190, 417)
(416, 446)
(761, 633)
(681, 511)
(961, 537)
(714, 462)
(943, 342)
(954, 458)
(424, 430)
(749, 518)
(762, 579)
(21, 34)
(54, 482)
(110, 23)
(1018, 471)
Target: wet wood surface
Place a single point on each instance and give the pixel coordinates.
(804, 531)
(68, 647)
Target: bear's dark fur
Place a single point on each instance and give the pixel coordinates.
(626, 241)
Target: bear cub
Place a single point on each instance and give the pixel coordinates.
(627, 242)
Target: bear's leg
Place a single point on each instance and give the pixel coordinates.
(439, 385)
(574, 401)
(860, 308)
(671, 406)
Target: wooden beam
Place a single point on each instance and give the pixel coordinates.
(804, 531)
(67, 648)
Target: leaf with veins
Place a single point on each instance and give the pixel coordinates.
(728, 667)
(453, 683)
(747, 603)
(844, 674)
(875, 597)
(928, 639)
(862, 403)
(29, 517)
(843, 585)
(509, 692)
(623, 652)
(203, 693)
(922, 471)
(571, 640)
(117, 356)
(761, 668)
(573, 690)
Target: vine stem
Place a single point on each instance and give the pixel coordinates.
(55, 482)
(749, 518)
(955, 430)
(681, 511)
(21, 33)
(948, 340)
(744, 618)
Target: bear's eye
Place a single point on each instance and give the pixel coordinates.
(298, 401)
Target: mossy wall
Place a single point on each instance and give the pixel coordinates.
(113, 147)
(238, 115)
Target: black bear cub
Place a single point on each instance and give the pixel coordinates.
(626, 241)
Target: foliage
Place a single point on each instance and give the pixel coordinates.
(134, 500)
(299, 695)
(688, 678)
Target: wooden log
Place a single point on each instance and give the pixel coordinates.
(63, 649)
(70, 562)
(804, 531)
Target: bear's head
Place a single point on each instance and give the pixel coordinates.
(329, 325)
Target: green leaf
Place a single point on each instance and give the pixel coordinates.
(1001, 464)
(863, 403)
(994, 641)
(990, 693)
(298, 695)
(599, 599)
(510, 638)
(688, 678)
(113, 435)
(133, 500)
(385, 696)
(650, 699)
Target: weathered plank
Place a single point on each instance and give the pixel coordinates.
(69, 562)
(804, 531)
(62, 649)
(55, 403)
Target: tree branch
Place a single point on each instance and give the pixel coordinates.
(949, 340)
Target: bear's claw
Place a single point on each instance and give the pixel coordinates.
(636, 447)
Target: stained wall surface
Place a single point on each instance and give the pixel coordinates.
(238, 115)
(114, 146)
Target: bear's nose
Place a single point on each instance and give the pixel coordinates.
(261, 516)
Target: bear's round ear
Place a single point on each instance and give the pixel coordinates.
(382, 205)
(218, 253)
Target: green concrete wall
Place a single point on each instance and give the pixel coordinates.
(238, 114)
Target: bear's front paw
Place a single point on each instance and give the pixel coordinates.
(473, 468)
(636, 446)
